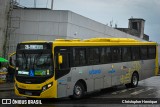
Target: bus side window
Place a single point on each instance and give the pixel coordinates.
(151, 52)
(105, 55)
(144, 52)
(108, 55)
(126, 54)
(79, 56)
(76, 56)
(116, 54)
(135, 53)
(93, 56)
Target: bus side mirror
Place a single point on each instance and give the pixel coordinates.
(12, 60)
(60, 59)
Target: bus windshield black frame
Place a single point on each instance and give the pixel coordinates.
(34, 60)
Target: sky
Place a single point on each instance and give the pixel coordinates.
(118, 11)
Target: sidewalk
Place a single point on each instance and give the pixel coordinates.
(6, 87)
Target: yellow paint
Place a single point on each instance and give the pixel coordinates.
(95, 42)
(56, 86)
(136, 66)
(112, 66)
(39, 41)
(156, 62)
(49, 93)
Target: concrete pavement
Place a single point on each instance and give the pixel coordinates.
(6, 86)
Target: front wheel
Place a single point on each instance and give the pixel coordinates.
(78, 91)
(134, 81)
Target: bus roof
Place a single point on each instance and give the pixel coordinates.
(101, 42)
(96, 42)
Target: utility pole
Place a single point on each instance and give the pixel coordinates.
(52, 4)
(34, 3)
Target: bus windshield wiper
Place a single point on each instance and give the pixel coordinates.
(25, 58)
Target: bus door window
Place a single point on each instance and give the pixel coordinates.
(65, 63)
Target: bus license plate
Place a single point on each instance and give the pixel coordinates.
(28, 93)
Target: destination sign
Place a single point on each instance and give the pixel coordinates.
(33, 46)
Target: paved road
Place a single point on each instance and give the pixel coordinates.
(149, 88)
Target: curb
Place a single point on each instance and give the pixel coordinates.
(7, 89)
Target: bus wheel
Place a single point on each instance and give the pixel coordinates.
(78, 91)
(134, 81)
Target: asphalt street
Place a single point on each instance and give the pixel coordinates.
(148, 88)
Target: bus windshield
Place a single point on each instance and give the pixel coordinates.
(36, 64)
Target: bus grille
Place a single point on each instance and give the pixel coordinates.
(30, 92)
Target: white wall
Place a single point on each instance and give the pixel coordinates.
(40, 24)
(159, 54)
(4, 8)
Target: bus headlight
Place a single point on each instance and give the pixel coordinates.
(47, 86)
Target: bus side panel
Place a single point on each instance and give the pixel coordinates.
(127, 70)
(62, 87)
(97, 76)
(148, 68)
(107, 77)
(66, 83)
(83, 73)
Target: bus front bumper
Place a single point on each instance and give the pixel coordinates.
(35, 93)
(30, 91)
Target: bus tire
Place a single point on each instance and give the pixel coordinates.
(78, 91)
(134, 81)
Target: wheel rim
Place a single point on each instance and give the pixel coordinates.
(135, 80)
(78, 90)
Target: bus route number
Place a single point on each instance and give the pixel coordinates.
(33, 46)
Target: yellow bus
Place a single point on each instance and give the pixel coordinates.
(63, 68)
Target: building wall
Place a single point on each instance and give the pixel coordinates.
(41, 24)
(82, 27)
(35, 24)
(4, 8)
(159, 54)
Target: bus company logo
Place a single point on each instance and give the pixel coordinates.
(6, 101)
(94, 71)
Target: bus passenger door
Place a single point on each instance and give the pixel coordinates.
(62, 71)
